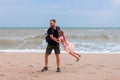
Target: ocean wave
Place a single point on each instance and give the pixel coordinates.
(84, 40)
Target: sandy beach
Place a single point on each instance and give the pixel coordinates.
(27, 66)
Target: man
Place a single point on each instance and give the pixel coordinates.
(53, 34)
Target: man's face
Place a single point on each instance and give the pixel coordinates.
(52, 24)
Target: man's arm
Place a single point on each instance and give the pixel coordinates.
(53, 38)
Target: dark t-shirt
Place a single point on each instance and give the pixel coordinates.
(55, 33)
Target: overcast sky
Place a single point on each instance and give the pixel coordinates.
(68, 13)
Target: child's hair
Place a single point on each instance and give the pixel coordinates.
(62, 33)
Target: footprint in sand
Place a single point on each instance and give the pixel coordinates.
(36, 75)
(63, 67)
(108, 72)
(35, 72)
(108, 79)
(2, 75)
(74, 71)
(8, 63)
(117, 68)
(69, 64)
(87, 64)
(30, 73)
(98, 68)
(14, 65)
(92, 73)
(82, 67)
(31, 66)
(37, 63)
(20, 72)
(101, 66)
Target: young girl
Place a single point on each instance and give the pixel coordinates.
(68, 47)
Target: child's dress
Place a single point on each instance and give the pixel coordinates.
(68, 47)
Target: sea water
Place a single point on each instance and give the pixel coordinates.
(86, 40)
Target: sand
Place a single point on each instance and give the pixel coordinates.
(27, 66)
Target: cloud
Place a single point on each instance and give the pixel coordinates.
(117, 2)
(74, 12)
(7, 1)
(96, 13)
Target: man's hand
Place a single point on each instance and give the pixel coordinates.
(58, 41)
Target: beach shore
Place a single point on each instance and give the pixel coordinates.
(27, 66)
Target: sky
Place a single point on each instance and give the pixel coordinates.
(68, 13)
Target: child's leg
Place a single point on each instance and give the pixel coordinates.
(76, 54)
(67, 49)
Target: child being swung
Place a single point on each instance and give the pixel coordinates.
(68, 47)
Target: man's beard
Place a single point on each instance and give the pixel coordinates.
(52, 26)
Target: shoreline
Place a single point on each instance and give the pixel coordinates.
(62, 52)
(43, 51)
(27, 66)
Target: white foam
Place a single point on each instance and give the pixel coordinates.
(43, 51)
(27, 50)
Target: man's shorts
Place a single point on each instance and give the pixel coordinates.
(51, 47)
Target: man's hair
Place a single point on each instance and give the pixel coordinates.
(53, 20)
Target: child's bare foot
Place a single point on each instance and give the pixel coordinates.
(77, 59)
(79, 55)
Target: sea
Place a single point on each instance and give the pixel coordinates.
(86, 40)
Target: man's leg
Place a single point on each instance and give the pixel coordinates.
(46, 60)
(48, 52)
(58, 60)
(46, 63)
(57, 52)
